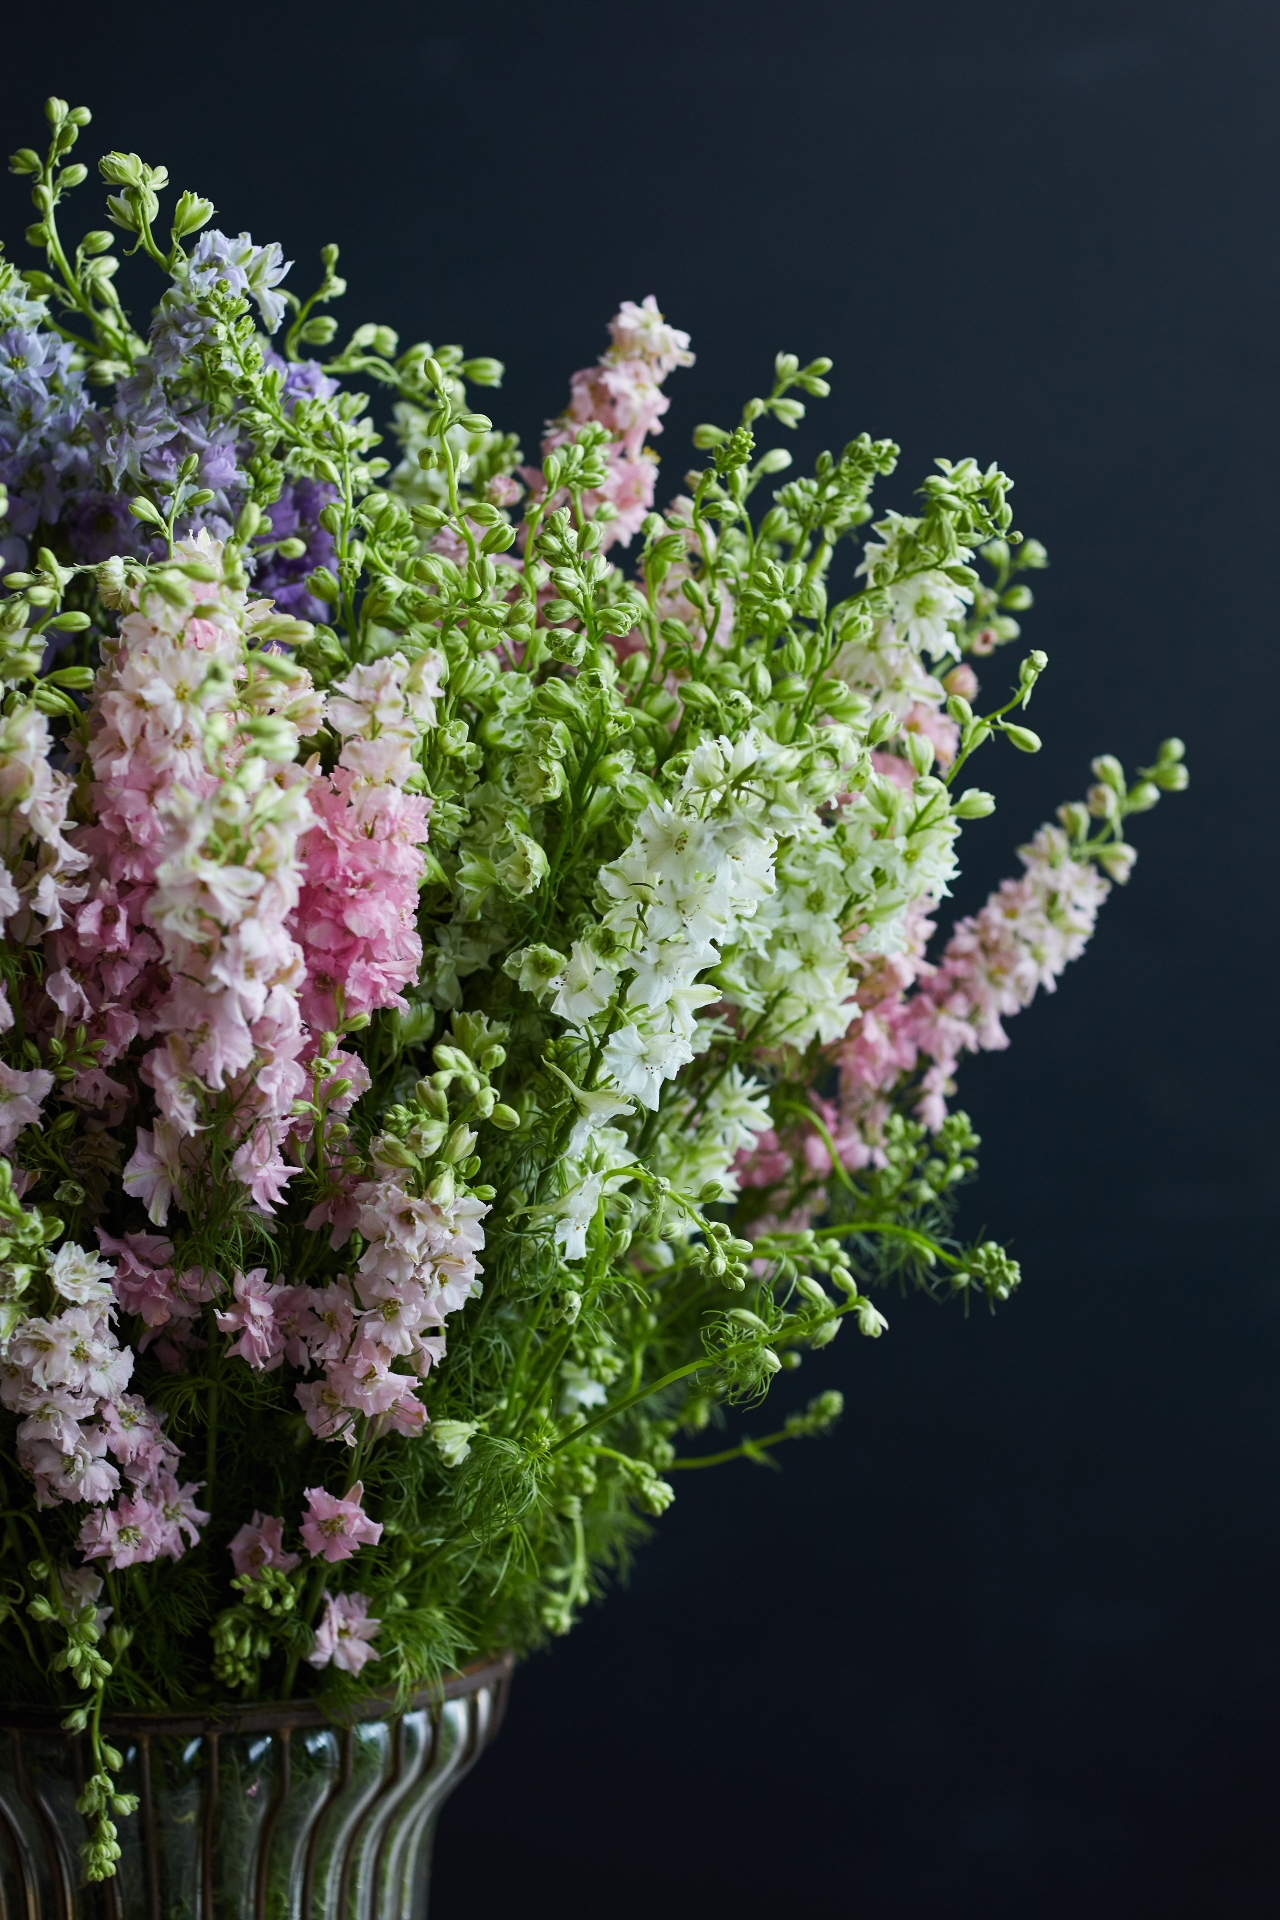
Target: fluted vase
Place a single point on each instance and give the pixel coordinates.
(273, 1813)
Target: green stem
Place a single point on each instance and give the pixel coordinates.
(743, 1452)
(307, 1613)
(632, 1399)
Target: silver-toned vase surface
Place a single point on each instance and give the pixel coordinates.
(274, 1813)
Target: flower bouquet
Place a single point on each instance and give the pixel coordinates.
(467, 1007)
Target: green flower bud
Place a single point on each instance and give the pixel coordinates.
(459, 1145)
(443, 1188)
(920, 752)
(974, 804)
(190, 214)
(1021, 737)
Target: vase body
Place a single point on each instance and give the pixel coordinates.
(275, 1813)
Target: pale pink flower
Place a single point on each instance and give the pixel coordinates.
(622, 392)
(140, 1259)
(137, 1439)
(152, 1172)
(76, 1350)
(327, 1414)
(169, 852)
(67, 995)
(332, 1320)
(53, 1417)
(344, 1633)
(364, 1382)
(125, 1535)
(406, 1414)
(961, 680)
(252, 1316)
(336, 1524)
(83, 1474)
(260, 1543)
(180, 1518)
(641, 332)
(258, 1164)
(21, 1097)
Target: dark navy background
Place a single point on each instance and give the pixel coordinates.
(1009, 1644)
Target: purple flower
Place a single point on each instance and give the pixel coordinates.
(307, 380)
(100, 525)
(296, 514)
(244, 269)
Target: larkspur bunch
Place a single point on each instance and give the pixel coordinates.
(467, 1015)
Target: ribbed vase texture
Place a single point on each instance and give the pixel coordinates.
(276, 1814)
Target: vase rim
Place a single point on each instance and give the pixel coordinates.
(271, 1716)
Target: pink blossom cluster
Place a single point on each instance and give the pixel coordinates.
(995, 961)
(161, 684)
(356, 916)
(334, 1528)
(66, 1375)
(920, 1018)
(623, 392)
(194, 874)
(420, 1263)
(167, 1302)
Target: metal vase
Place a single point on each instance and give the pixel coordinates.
(275, 1813)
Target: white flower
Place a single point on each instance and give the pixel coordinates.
(661, 969)
(595, 1110)
(640, 1063)
(737, 1110)
(576, 1210)
(81, 1277)
(586, 987)
(921, 606)
(870, 1320)
(581, 1392)
(453, 1438)
(524, 868)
